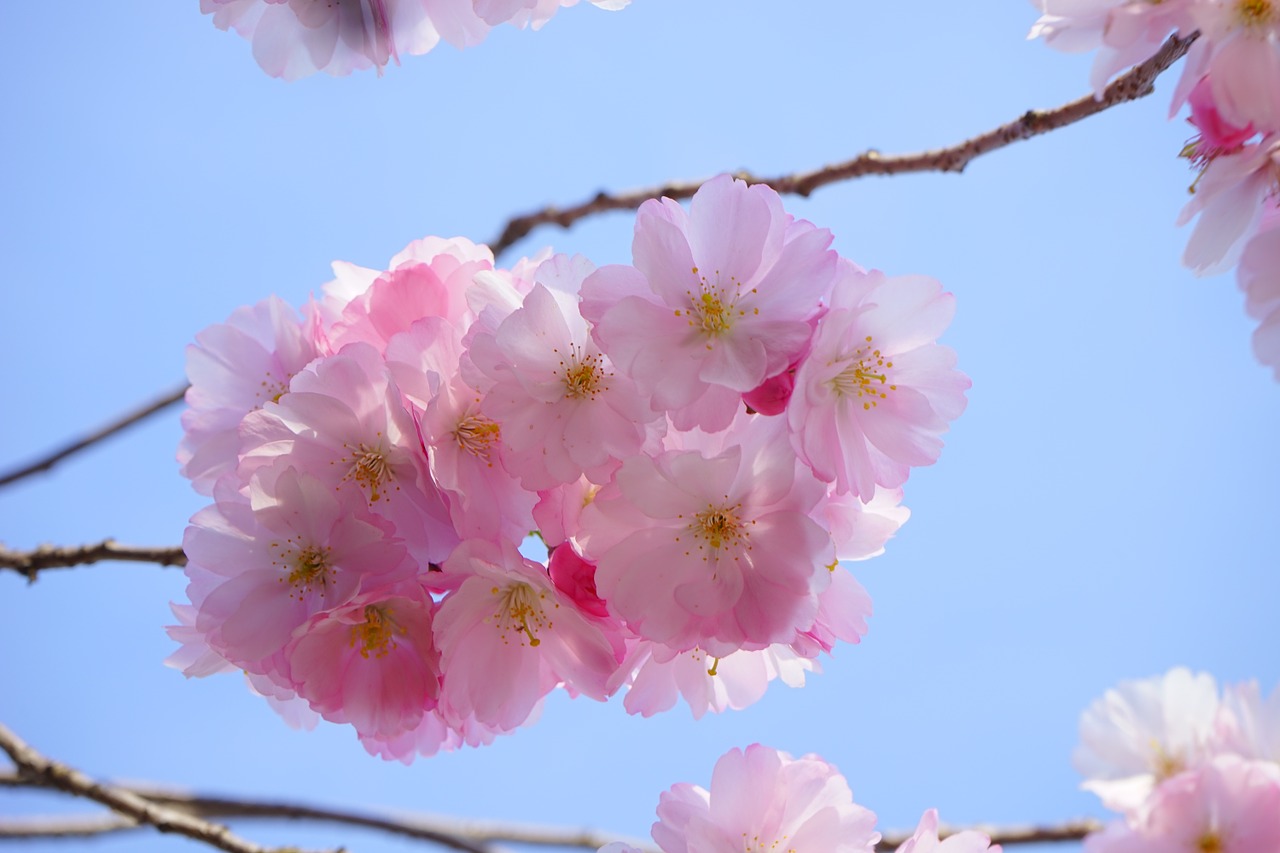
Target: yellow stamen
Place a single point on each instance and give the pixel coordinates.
(583, 375)
(1255, 14)
(864, 376)
(759, 844)
(1165, 765)
(713, 307)
(311, 569)
(1210, 842)
(476, 434)
(371, 469)
(273, 389)
(520, 613)
(719, 527)
(377, 634)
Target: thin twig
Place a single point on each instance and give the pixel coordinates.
(471, 836)
(30, 563)
(127, 420)
(32, 765)
(1136, 83)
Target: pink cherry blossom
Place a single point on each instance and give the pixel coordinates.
(291, 707)
(468, 460)
(576, 578)
(565, 412)
(1072, 26)
(1143, 732)
(876, 391)
(260, 571)
(1259, 277)
(1239, 50)
(294, 38)
(657, 676)
(558, 512)
(351, 281)
(508, 637)
(397, 299)
(372, 663)
(344, 422)
(234, 368)
(1251, 725)
(1228, 805)
(1125, 32)
(433, 735)
(925, 839)
(763, 799)
(715, 551)
(1217, 135)
(718, 301)
(861, 528)
(1229, 199)
(193, 658)
(843, 609)
(533, 13)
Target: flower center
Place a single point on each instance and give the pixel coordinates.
(520, 613)
(864, 376)
(310, 570)
(371, 469)
(1255, 13)
(1165, 765)
(1210, 842)
(376, 635)
(271, 388)
(713, 308)
(476, 434)
(757, 844)
(584, 376)
(719, 526)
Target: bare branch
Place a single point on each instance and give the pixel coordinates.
(470, 836)
(127, 420)
(1136, 83)
(31, 765)
(64, 826)
(30, 563)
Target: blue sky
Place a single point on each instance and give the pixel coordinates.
(1103, 510)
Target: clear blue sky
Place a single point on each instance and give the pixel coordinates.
(1105, 509)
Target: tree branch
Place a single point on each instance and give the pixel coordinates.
(31, 765)
(30, 563)
(470, 836)
(1136, 83)
(127, 420)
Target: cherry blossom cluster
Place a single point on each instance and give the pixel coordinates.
(765, 800)
(295, 38)
(698, 439)
(1191, 770)
(1231, 83)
